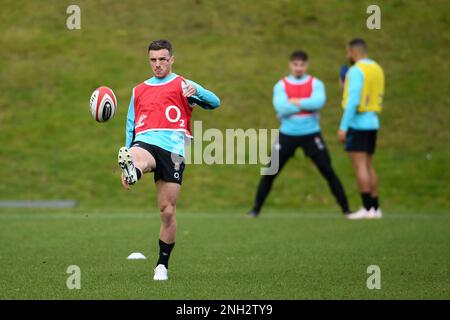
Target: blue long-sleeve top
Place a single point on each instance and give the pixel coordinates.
(292, 124)
(170, 140)
(351, 117)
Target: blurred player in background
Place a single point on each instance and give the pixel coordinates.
(297, 99)
(158, 121)
(362, 100)
(342, 74)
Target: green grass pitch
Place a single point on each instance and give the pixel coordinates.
(225, 256)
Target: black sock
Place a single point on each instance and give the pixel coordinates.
(367, 200)
(375, 203)
(138, 173)
(164, 253)
(256, 209)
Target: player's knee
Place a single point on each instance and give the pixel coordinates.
(167, 212)
(361, 169)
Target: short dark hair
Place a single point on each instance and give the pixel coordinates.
(358, 43)
(299, 55)
(160, 44)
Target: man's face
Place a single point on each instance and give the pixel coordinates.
(161, 62)
(298, 67)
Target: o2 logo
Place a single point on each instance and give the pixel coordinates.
(173, 115)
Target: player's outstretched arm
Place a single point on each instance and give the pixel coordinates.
(203, 97)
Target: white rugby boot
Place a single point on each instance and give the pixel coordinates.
(375, 214)
(126, 164)
(161, 273)
(358, 215)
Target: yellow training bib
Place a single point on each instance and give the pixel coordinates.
(373, 87)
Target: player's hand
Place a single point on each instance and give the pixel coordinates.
(342, 135)
(125, 185)
(189, 90)
(294, 101)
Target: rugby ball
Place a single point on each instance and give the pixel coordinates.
(103, 104)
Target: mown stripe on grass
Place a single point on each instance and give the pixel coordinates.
(153, 215)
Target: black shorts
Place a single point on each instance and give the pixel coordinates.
(361, 141)
(169, 166)
(311, 144)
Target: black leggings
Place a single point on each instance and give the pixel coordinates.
(320, 158)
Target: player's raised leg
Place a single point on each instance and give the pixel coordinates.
(134, 162)
(168, 193)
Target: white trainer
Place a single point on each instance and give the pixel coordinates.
(160, 273)
(358, 215)
(375, 214)
(126, 164)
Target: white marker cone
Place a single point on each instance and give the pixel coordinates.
(136, 256)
